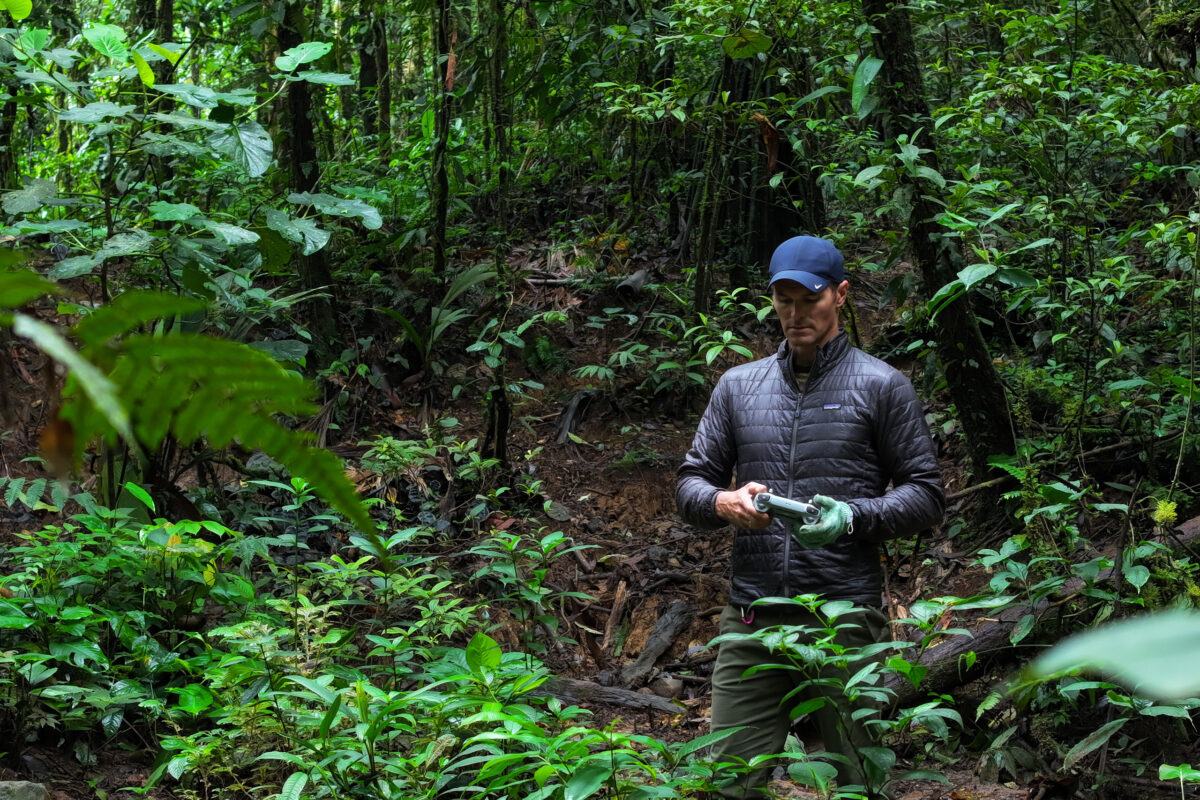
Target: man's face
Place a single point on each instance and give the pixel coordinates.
(809, 319)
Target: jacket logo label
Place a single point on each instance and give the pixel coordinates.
(832, 406)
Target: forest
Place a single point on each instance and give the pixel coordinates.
(350, 352)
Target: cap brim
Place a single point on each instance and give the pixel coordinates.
(814, 283)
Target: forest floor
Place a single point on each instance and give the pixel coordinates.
(611, 487)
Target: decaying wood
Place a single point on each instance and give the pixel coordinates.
(676, 619)
(575, 406)
(578, 692)
(946, 660)
(614, 619)
(629, 287)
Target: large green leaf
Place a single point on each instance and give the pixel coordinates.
(204, 97)
(187, 121)
(299, 230)
(587, 780)
(108, 40)
(49, 226)
(173, 212)
(326, 78)
(293, 787)
(248, 144)
(18, 9)
(340, 206)
(75, 266)
(864, 75)
(95, 112)
(746, 43)
(975, 273)
(35, 193)
(1093, 741)
(143, 69)
(170, 55)
(63, 57)
(483, 653)
(126, 244)
(231, 234)
(301, 54)
(32, 40)
(1156, 655)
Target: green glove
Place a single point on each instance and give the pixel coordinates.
(836, 520)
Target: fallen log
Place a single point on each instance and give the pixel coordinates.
(677, 618)
(579, 692)
(614, 619)
(948, 662)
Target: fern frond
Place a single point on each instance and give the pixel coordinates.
(31, 493)
(144, 387)
(128, 311)
(19, 288)
(197, 388)
(98, 388)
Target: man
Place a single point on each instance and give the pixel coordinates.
(819, 419)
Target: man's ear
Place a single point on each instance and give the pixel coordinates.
(841, 291)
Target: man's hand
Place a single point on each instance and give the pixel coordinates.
(836, 520)
(737, 507)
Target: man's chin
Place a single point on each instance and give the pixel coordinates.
(801, 342)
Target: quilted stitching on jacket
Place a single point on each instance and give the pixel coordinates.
(857, 429)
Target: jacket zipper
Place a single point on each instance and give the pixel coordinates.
(800, 392)
(787, 538)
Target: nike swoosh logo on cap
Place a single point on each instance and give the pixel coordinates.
(818, 287)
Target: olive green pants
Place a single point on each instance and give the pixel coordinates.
(757, 700)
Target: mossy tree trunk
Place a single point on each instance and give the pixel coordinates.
(300, 153)
(443, 48)
(974, 385)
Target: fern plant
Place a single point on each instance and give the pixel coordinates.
(33, 494)
(140, 387)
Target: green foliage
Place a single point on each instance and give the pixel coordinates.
(1183, 773)
(82, 635)
(1152, 653)
(143, 386)
(425, 338)
(855, 676)
(520, 566)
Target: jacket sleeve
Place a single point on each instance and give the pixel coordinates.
(917, 497)
(708, 467)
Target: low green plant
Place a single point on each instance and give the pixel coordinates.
(1184, 773)
(852, 680)
(34, 493)
(391, 457)
(1152, 653)
(99, 625)
(520, 565)
(425, 337)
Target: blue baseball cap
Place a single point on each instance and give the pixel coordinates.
(808, 260)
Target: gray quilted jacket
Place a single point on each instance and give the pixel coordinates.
(857, 427)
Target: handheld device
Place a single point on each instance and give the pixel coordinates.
(793, 510)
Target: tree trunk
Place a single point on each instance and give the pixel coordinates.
(383, 97)
(499, 408)
(9, 172)
(368, 72)
(443, 48)
(974, 385)
(301, 153)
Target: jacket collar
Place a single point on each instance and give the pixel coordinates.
(829, 353)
